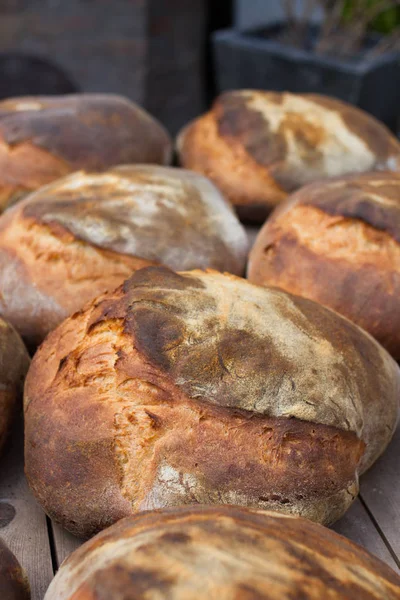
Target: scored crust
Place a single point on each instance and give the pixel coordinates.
(44, 138)
(259, 146)
(289, 401)
(246, 554)
(345, 236)
(86, 233)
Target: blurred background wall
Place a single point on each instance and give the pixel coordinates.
(152, 51)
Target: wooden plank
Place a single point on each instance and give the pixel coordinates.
(22, 522)
(380, 491)
(64, 543)
(357, 525)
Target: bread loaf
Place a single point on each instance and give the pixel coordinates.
(86, 233)
(259, 146)
(202, 388)
(338, 242)
(14, 584)
(226, 553)
(14, 363)
(44, 138)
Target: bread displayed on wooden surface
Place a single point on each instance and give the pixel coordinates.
(226, 553)
(260, 146)
(43, 138)
(86, 233)
(200, 387)
(14, 584)
(14, 364)
(338, 242)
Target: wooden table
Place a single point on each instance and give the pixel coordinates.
(373, 521)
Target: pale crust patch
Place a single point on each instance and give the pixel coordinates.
(342, 150)
(259, 146)
(86, 233)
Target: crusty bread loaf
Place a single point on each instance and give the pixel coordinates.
(14, 583)
(202, 388)
(14, 363)
(86, 233)
(221, 553)
(44, 138)
(259, 146)
(338, 242)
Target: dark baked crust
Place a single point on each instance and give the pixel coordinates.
(14, 584)
(44, 138)
(14, 363)
(86, 233)
(260, 146)
(345, 236)
(245, 554)
(201, 388)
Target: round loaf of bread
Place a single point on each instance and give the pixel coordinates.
(14, 583)
(44, 138)
(338, 242)
(259, 146)
(203, 388)
(14, 364)
(86, 233)
(226, 553)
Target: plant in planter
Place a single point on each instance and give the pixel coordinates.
(352, 52)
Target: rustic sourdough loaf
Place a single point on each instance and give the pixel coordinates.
(14, 584)
(338, 242)
(14, 363)
(200, 387)
(221, 553)
(259, 146)
(86, 233)
(44, 138)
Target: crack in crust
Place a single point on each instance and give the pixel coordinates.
(120, 418)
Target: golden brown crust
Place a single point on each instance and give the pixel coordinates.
(14, 584)
(85, 234)
(44, 138)
(246, 555)
(228, 165)
(287, 399)
(345, 236)
(260, 146)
